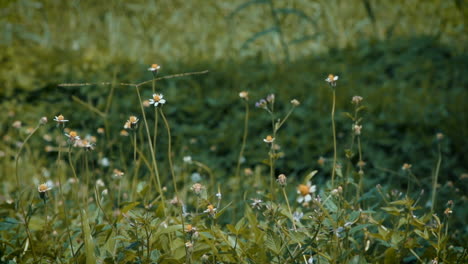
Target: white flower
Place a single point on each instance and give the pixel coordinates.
(256, 203)
(297, 216)
(157, 99)
(60, 119)
(304, 192)
(45, 187)
(100, 183)
(154, 68)
(331, 79)
(244, 95)
(269, 139)
(105, 162)
(73, 136)
(210, 209)
(188, 159)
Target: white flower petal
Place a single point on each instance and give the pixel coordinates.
(308, 198)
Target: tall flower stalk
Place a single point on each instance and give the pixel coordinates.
(332, 81)
(268, 105)
(440, 136)
(243, 95)
(42, 121)
(152, 151)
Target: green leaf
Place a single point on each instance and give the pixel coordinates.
(273, 243)
(88, 239)
(129, 207)
(392, 210)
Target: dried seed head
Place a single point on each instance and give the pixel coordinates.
(282, 180)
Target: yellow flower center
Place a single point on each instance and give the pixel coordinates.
(269, 138)
(331, 77)
(156, 98)
(133, 119)
(189, 228)
(60, 118)
(303, 189)
(73, 134)
(43, 187)
(155, 66)
(210, 208)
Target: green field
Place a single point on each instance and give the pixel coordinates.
(214, 175)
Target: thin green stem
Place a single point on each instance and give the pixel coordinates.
(285, 118)
(169, 153)
(334, 138)
(153, 156)
(289, 208)
(244, 139)
(361, 174)
(18, 186)
(436, 176)
(62, 197)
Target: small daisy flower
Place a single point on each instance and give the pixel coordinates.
(117, 174)
(356, 99)
(295, 102)
(190, 229)
(154, 68)
(197, 188)
(269, 139)
(124, 133)
(297, 216)
(100, 130)
(304, 192)
(100, 183)
(188, 245)
(440, 136)
(127, 125)
(157, 100)
(133, 119)
(84, 143)
(244, 95)
(210, 209)
(45, 187)
(17, 124)
(331, 79)
(448, 211)
(146, 103)
(188, 159)
(261, 104)
(270, 98)
(43, 120)
(60, 120)
(357, 129)
(406, 166)
(256, 203)
(73, 136)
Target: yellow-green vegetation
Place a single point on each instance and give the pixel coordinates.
(268, 132)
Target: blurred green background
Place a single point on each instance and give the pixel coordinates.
(408, 59)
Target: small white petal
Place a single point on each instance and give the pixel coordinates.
(308, 198)
(336, 78)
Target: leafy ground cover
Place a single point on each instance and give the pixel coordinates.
(252, 157)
